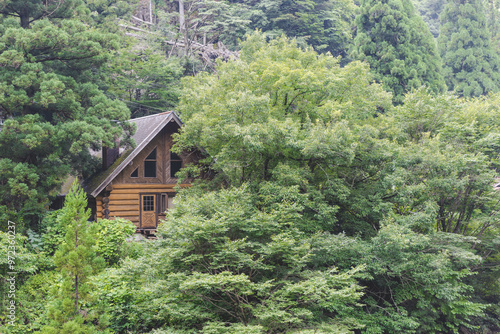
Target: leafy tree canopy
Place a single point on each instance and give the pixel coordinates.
(324, 214)
(292, 117)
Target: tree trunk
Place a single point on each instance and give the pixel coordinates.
(182, 26)
(76, 294)
(25, 18)
(150, 12)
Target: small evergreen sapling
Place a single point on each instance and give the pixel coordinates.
(77, 260)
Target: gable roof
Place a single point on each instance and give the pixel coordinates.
(147, 128)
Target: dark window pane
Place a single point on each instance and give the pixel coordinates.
(149, 168)
(174, 156)
(135, 173)
(148, 203)
(175, 163)
(175, 166)
(152, 155)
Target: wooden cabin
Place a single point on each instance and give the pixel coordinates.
(138, 184)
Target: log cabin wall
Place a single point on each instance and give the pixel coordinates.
(124, 201)
(122, 198)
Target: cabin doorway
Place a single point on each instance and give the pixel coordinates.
(149, 218)
(153, 209)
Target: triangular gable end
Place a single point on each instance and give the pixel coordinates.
(147, 129)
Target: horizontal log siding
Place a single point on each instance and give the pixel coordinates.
(98, 202)
(124, 200)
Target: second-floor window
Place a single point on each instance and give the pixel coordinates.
(175, 164)
(150, 164)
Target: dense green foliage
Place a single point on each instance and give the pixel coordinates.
(430, 11)
(144, 79)
(397, 44)
(327, 157)
(76, 260)
(324, 215)
(54, 290)
(110, 238)
(323, 204)
(323, 24)
(471, 65)
(54, 111)
(287, 106)
(493, 21)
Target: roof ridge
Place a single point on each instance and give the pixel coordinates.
(154, 115)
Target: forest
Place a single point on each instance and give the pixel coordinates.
(349, 181)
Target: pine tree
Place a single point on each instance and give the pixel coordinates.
(29, 11)
(397, 44)
(323, 24)
(77, 260)
(471, 67)
(52, 102)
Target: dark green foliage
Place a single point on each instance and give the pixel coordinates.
(144, 79)
(104, 13)
(412, 172)
(29, 11)
(471, 66)
(397, 44)
(486, 283)
(52, 232)
(414, 281)
(54, 112)
(323, 24)
(231, 259)
(329, 210)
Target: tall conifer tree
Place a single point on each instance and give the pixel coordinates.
(323, 24)
(397, 44)
(52, 102)
(471, 67)
(493, 19)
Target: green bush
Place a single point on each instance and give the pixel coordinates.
(111, 236)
